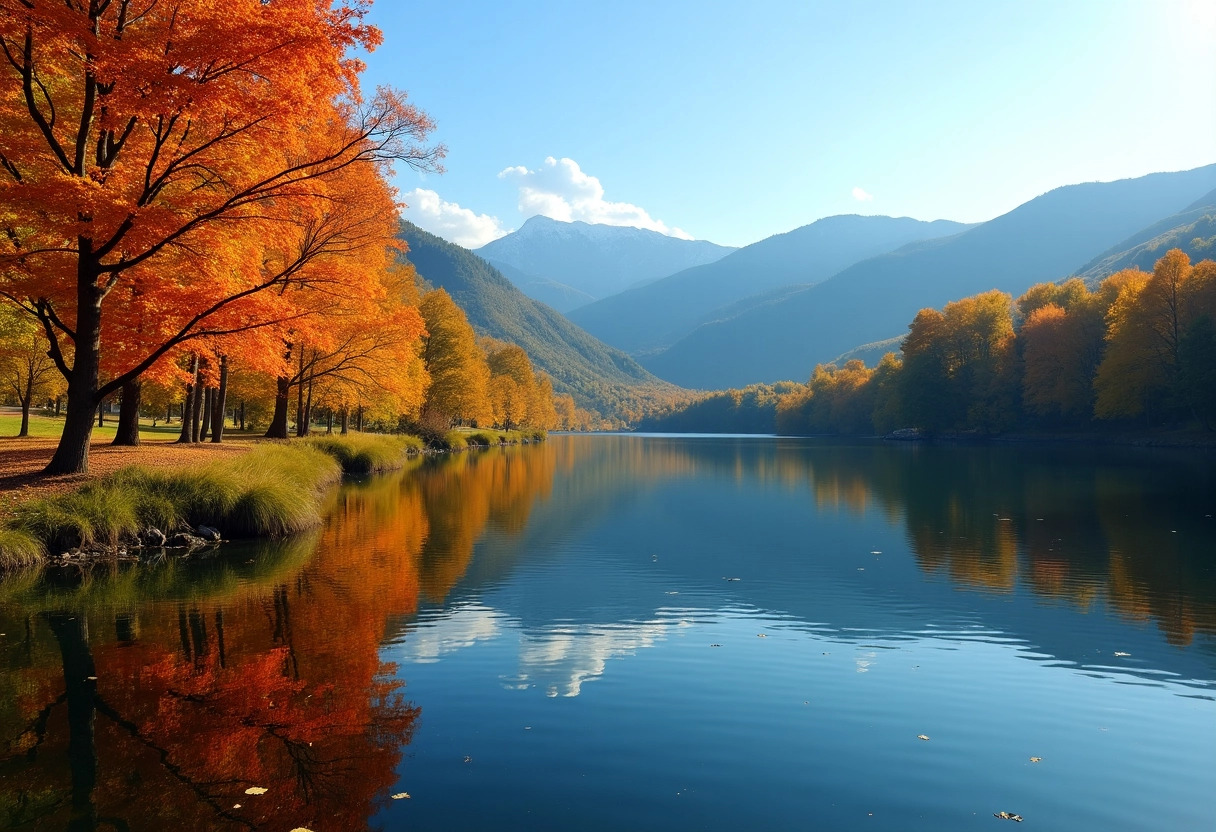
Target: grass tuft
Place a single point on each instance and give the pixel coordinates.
(367, 454)
(19, 549)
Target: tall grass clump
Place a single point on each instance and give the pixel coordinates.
(18, 549)
(270, 491)
(367, 454)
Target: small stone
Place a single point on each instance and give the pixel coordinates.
(208, 533)
(152, 537)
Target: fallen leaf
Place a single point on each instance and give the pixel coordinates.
(1036, 759)
(255, 790)
(468, 759)
(401, 796)
(1007, 816)
(922, 736)
(301, 829)
(731, 579)
(236, 805)
(715, 645)
(1121, 654)
(761, 635)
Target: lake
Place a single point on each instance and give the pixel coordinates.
(627, 632)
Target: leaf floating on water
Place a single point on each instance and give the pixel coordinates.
(731, 579)
(1036, 759)
(255, 790)
(674, 592)
(468, 759)
(1007, 816)
(715, 645)
(1121, 654)
(875, 553)
(401, 796)
(761, 635)
(924, 737)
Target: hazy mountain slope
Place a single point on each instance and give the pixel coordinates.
(871, 353)
(597, 375)
(1044, 239)
(561, 297)
(600, 260)
(1192, 230)
(660, 313)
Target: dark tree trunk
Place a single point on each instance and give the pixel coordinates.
(306, 422)
(101, 414)
(80, 680)
(345, 421)
(58, 405)
(300, 397)
(242, 414)
(359, 419)
(128, 415)
(188, 402)
(220, 404)
(196, 407)
(205, 428)
(329, 421)
(169, 414)
(25, 405)
(278, 423)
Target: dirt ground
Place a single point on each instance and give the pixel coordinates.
(22, 461)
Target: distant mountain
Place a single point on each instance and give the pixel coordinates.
(599, 260)
(1192, 230)
(598, 376)
(660, 313)
(561, 297)
(1045, 239)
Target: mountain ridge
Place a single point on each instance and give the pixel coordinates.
(1046, 238)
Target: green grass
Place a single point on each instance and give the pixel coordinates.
(364, 453)
(50, 427)
(275, 489)
(18, 549)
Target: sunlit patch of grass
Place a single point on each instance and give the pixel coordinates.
(19, 549)
(367, 453)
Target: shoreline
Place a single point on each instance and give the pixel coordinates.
(159, 497)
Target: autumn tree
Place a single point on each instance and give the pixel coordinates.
(454, 362)
(1141, 373)
(1061, 341)
(25, 369)
(150, 155)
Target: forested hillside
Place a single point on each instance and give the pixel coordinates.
(1047, 238)
(660, 313)
(598, 376)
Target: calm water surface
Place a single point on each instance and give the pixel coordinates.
(636, 633)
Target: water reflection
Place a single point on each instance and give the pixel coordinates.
(152, 698)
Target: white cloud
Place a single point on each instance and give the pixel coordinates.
(561, 190)
(861, 196)
(448, 220)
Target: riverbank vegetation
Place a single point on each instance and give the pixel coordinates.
(1136, 352)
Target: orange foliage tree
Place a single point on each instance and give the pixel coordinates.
(154, 153)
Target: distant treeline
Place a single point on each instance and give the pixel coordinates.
(1140, 349)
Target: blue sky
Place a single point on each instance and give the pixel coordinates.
(732, 122)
